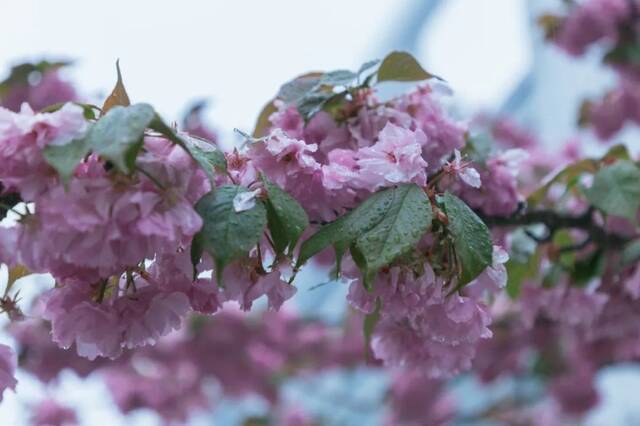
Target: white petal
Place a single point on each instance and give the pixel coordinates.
(245, 201)
(471, 177)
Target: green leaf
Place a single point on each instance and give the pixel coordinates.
(313, 103)
(616, 190)
(471, 238)
(118, 96)
(585, 270)
(384, 227)
(347, 228)
(65, 158)
(338, 78)
(286, 218)
(402, 66)
(404, 223)
(624, 53)
(226, 234)
(296, 89)
(118, 135)
(518, 271)
(569, 173)
(209, 160)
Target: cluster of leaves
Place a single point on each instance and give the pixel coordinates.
(228, 235)
(614, 191)
(328, 91)
(117, 136)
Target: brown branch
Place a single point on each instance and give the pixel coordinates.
(555, 221)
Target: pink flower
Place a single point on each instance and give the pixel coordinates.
(40, 356)
(8, 243)
(415, 398)
(420, 326)
(96, 228)
(499, 193)
(341, 171)
(575, 391)
(591, 22)
(569, 305)
(461, 169)
(23, 135)
(443, 134)
(51, 89)
(51, 413)
(395, 158)
(609, 115)
(149, 315)
(123, 319)
(7, 369)
(282, 158)
(244, 285)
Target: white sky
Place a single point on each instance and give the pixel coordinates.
(238, 52)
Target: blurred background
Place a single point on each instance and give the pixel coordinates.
(236, 54)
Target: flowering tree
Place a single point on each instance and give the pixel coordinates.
(467, 249)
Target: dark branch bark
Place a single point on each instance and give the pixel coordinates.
(555, 221)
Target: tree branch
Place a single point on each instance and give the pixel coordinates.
(555, 221)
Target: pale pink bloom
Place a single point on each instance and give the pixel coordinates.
(511, 135)
(590, 22)
(147, 318)
(281, 157)
(7, 369)
(499, 193)
(51, 89)
(120, 320)
(8, 245)
(415, 398)
(463, 170)
(43, 358)
(95, 228)
(171, 387)
(575, 392)
(244, 286)
(420, 326)
(51, 413)
(395, 158)
(288, 120)
(23, 135)
(341, 171)
(569, 305)
(443, 134)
